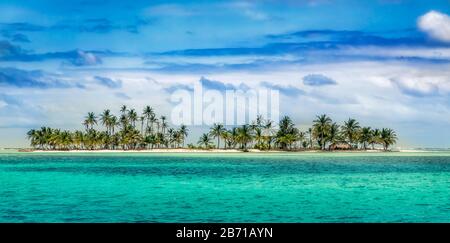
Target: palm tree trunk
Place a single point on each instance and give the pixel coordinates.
(321, 141)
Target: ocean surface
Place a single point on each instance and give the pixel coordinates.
(250, 187)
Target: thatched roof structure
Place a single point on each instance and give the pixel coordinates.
(340, 146)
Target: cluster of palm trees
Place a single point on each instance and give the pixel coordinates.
(133, 131)
(324, 134)
(128, 131)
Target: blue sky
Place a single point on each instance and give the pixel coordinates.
(384, 62)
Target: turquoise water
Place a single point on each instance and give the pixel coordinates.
(292, 187)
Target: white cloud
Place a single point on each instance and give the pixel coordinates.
(415, 87)
(436, 25)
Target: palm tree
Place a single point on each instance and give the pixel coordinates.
(286, 140)
(91, 139)
(244, 136)
(151, 140)
(375, 138)
(142, 119)
(217, 131)
(286, 132)
(333, 133)
(123, 109)
(184, 132)
(65, 139)
(291, 139)
(160, 139)
(234, 137)
(171, 136)
(42, 137)
(301, 136)
(148, 112)
(388, 137)
(105, 118)
(350, 130)
(268, 132)
(178, 138)
(259, 121)
(163, 124)
(133, 117)
(113, 123)
(153, 120)
(123, 121)
(228, 140)
(90, 120)
(321, 127)
(365, 136)
(158, 125)
(259, 138)
(32, 136)
(204, 140)
(310, 134)
(78, 139)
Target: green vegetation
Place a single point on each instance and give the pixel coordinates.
(324, 135)
(146, 131)
(119, 133)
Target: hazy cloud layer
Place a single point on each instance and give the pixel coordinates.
(288, 90)
(108, 82)
(32, 79)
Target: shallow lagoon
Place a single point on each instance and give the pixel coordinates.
(236, 187)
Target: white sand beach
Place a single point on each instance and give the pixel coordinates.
(180, 150)
(185, 150)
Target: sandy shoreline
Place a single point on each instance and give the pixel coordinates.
(197, 151)
(155, 151)
(144, 151)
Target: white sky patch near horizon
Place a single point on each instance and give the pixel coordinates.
(364, 91)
